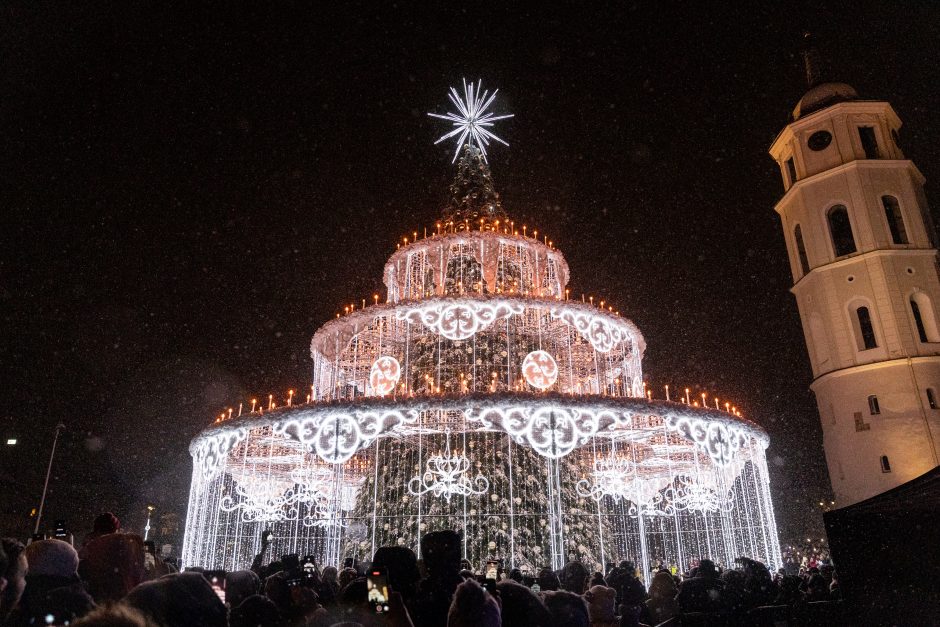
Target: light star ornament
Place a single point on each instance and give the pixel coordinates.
(471, 122)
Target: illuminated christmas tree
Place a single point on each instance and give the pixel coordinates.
(479, 398)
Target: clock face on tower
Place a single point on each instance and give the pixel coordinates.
(819, 140)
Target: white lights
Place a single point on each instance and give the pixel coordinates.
(601, 331)
(384, 375)
(210, 450)
(447, 476)
(540, 370)
(693, 494)
(471, 122)
(336, 435)
(552, 430)
(458, 320)
(261, 499)
(11, 441)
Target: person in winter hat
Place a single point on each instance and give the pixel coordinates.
(520, 607)
(662, 605)
(181, 600)
(113, 565)
(601, 602)
(473, 607)
(52, 586)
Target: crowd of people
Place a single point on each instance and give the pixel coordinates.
(112, 580)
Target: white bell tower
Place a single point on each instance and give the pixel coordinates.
(863, 253)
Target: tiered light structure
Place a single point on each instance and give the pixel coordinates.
(478, 397)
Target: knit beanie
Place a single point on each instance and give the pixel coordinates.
(473, 607)
(51, 557)
(601, 601)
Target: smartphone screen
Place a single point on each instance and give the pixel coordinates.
(216, 579)
(492, 568)
(377, 587)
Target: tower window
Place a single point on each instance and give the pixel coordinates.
(931, 398)
(924, 318)
(873, 408)
(869, 143)
(819, 140)
(801, 249)
(885, 464)
(919, 321)
(865, 330)
(895, 221)
(791, 170)
(840, 229)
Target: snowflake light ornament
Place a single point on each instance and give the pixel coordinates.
(471, 122)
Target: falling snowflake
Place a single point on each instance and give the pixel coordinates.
(471, 122)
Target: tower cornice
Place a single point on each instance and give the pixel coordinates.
(804, 283)
(778, 146)
(858, 164)
(873, 366)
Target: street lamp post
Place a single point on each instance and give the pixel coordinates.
(42, 502)
(150, 509)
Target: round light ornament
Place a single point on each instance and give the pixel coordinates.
(384, 376)
(540, 370)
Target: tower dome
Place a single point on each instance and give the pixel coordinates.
(823, 95)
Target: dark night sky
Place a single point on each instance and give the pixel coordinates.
(187, 195)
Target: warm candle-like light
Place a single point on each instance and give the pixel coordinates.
(703, 400)
(375, 297)
(239, 409)
(229, 412)
(270, 401)
(667, 393)
(717, 406)
(254, 402)
(728, 407)
(687, 396)
(649, 394)
(290, 397)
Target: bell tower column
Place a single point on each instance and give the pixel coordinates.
(863, 254)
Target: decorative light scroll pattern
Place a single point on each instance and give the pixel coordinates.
(617, 477)
(720, 440)
(602, 332)
(336, 435)
(210, 451)
(552, 430)
(540, 370)
(459, 320)
(262, 499)
(612, 477)
(446, 476)
(695, 495)
(471, 122)
(317, 485)
(384, 375)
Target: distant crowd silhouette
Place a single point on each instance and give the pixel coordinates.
(112, 579)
